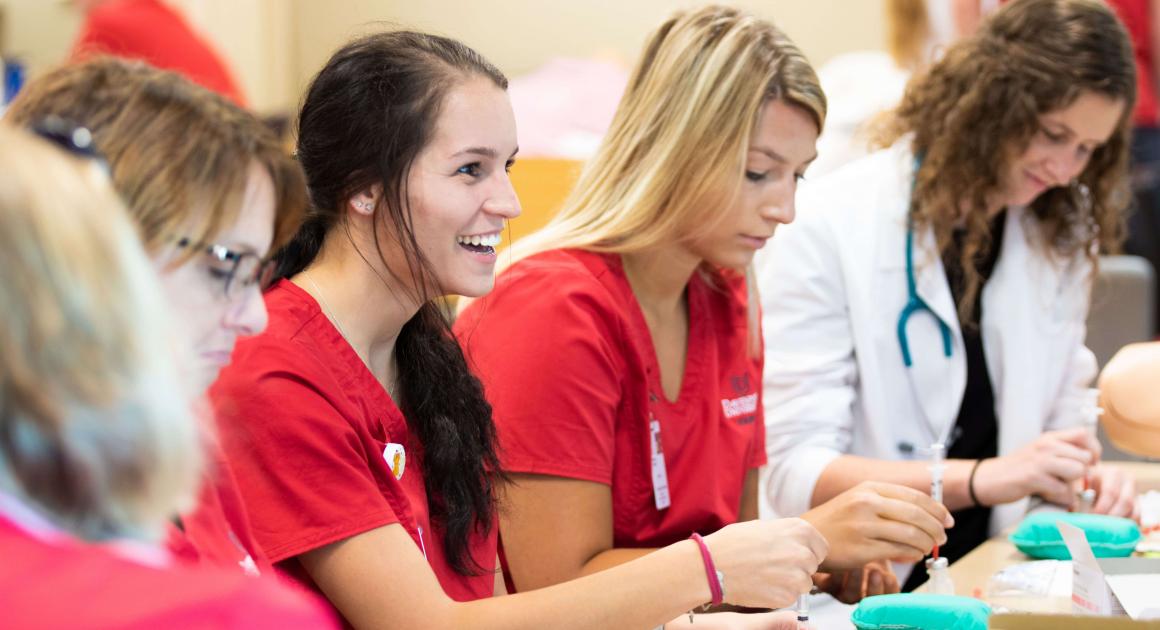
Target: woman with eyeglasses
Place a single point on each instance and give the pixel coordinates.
(934, 294)
(98, 442)
(213, 194)
(363, 445)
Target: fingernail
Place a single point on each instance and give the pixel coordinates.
(949, 521)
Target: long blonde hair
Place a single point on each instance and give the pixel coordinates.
(907, 32)
(675, 151)
(674, 154)
(96, 431)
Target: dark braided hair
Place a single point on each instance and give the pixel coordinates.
(366, 117)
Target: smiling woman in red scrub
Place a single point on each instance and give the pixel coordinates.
(363, 446)
(620, 351)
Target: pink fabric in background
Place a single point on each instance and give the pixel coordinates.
(564, 107)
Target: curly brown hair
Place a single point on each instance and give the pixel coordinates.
(978, 108)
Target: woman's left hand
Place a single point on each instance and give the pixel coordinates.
(1115, 491)
(849, 587)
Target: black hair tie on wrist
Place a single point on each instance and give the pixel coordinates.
(971, 484)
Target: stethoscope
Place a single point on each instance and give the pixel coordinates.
(914, 302)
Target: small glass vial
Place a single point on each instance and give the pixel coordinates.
(1086, 500)
(939, 581)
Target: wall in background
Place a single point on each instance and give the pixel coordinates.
(275, 46)
(256, 39)
(40, 32)
(519, 35)
(254, 36)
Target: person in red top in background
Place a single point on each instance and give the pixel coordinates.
(621, 351)
(98, 445)
(1141, 19)
(213, 193)
(363, 446)
(156, 33)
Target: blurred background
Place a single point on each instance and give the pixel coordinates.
(274, 46)
(568, 62)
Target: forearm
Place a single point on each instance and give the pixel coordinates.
(848, 471)
(657, 587)
(616, 557)
(612, 558)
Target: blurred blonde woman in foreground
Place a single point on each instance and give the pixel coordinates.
(98, 446)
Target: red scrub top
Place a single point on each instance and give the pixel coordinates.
(153, 32)
(315, 443)
(214, 533)
(55, 581)
(568, 365)
(1137, 19)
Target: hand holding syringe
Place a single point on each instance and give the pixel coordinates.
(936, 567)
(937, 466)
(1090, 411)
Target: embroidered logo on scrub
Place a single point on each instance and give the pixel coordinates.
(396, 458)
(742, 407)
(739, 406)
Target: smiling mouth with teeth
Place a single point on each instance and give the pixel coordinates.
(479, 243)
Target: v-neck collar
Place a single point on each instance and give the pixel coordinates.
(690, 379)
(355, 370)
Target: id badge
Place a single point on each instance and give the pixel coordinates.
(660, 476)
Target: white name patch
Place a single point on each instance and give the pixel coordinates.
(739, 406)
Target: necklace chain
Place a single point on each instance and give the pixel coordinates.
(325, 307)
(329, 312)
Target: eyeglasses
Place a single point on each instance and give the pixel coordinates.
(71, 137)
(238, 270)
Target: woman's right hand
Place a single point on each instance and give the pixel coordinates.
(767, 564)
(876, 521)
(1046, 467)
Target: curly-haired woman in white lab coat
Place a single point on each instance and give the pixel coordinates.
(936, 291)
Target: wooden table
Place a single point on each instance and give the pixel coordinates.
(972, 571)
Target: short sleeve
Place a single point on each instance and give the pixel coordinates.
(739, 310)
(300, 462)
(757, 455)
(548, 346)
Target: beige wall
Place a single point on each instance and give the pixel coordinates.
(39, 31)
(255, 37)
(275, 46)
(518, 35)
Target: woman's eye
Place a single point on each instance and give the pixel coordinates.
(799, 177)
(507, 167)
(1054, 137)
(754, 176)
(471, 170)
(218, 274)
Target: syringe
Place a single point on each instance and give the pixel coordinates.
(1091, 412)
(937, 465)
(803, 610)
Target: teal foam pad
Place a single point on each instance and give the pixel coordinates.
(1109, 536)
(920, 611)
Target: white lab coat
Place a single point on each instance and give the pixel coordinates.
(833, 285)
